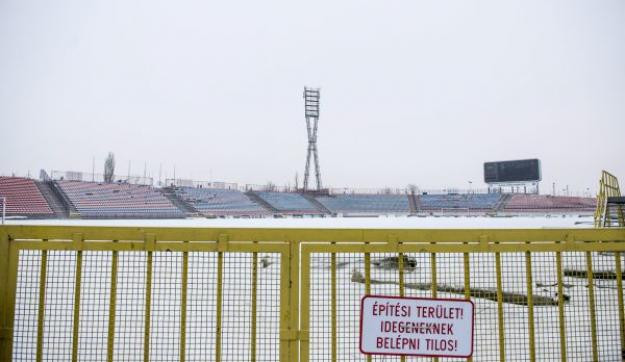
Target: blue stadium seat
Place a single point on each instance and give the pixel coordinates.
(360, 203)
(211, 201)
(288, 202)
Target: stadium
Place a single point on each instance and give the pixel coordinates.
(67, 195)
(66, 198)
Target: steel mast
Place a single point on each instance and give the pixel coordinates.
(311, 111)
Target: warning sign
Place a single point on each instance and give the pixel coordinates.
(416, 326)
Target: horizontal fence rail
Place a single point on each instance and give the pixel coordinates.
(151, 294)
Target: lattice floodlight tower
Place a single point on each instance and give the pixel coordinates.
(311, 111)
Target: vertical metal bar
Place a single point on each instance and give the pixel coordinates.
(368, 282)
(591, 303)
(467, 282)
(433, 284)
(293, 285)
(367, 273)
(5, 296)
(400, 268)
(43, 275)
(285, 311)
(500, 319)
(530, 305)
(9, 263)
(220, 279)
(254, 308)
(305, 306)
(112, 307)
(76, 320)
(333, 304)
(621, 306)
(183, 305)
(148, 308)
(561, 315)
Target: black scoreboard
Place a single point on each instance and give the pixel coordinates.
(512, 171)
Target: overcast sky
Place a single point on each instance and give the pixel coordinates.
(411, 91)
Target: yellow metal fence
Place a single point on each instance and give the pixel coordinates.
(195, 294)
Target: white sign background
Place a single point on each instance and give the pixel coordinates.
(416, 326)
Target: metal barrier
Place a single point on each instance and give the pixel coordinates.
(98, 293)
(608, 187)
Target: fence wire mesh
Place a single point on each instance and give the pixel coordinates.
(526, 278)
(56, 343)
(27, 307)
(206, 305)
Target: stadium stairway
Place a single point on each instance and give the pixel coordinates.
(614, 212)
(72, 211)
(413, 203)
(259, 200)
(502, 202)
(317, 204)
(56, 202)
(184, 206)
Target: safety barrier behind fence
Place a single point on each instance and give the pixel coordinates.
(155, 294)
(608, 188)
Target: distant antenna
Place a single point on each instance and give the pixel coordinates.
(311, 111)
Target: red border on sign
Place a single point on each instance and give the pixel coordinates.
(362, 302)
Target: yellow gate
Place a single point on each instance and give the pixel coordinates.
(155, 294)
(540, 295)
(129, 294)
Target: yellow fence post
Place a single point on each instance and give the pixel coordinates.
(77, 240)
(183, 305)
(619, 291)
(112, 307)
(43, 271)
(254, 308)
(6, 331)
(433, 286)
(561, 315)
(400, 269)
(467, 281)
(500, 319)
(290, 333)
(333, 303)
(222, 246)
(149, 240)
(305, 306)
(530, 305)
(368, 281)
(591, 304)
(293, 284)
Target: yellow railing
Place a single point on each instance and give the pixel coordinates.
(73, 293)
(608, 187)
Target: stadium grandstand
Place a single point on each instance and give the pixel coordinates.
(287, 203)
(117, 200)
(219, 202)
(23, 197)
(60, 198)
(546, 202)
(469, 201)
(366, 203)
